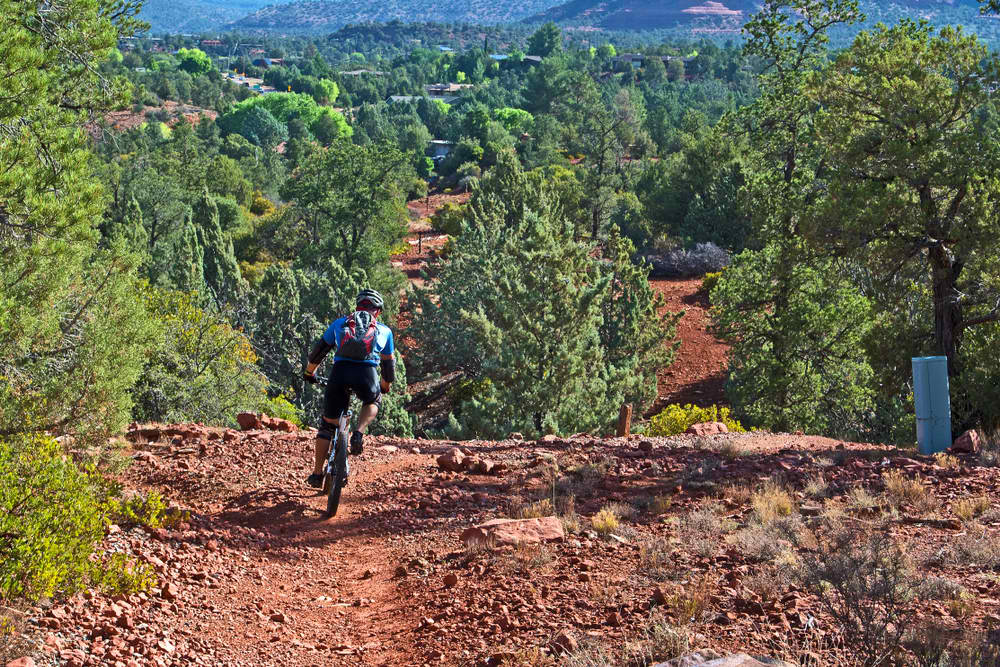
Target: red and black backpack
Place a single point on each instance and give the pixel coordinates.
(357, 336)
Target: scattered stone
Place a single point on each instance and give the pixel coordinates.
(169, 592)
(451, 460)
(248, 421)
(499, 532)
(707, 428)
(564, 642)
(967, 443)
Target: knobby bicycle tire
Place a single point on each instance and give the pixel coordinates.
(337, 475)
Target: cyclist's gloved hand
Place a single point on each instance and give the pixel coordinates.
(310, 377)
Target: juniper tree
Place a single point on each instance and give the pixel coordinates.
(549, 337)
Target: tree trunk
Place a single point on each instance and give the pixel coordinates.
(947, 306)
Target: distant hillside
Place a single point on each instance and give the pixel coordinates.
(328, 15)
(727, 16)
(192, 16)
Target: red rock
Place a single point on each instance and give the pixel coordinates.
(564, 642)
(707, 428)
(451, 460)
(499, 532)
(450, 580)
(248, 421)
(967, 443)
(170, 591)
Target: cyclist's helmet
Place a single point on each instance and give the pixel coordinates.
(369, 299)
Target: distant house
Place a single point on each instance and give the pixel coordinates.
(438, 149)
(446, 92)
(267, 63)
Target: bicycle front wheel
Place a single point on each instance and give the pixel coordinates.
(338, 475)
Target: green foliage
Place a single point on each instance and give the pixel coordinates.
(357, 222)
(676, 419)
(561, 336)
(70, 330)
(546, 41)
(202, 368)
(448, 219)
(709, 282)
(797, 327)
(280, 407)
(322, 121)
(52, 518)
(516, 121)
(194, 61)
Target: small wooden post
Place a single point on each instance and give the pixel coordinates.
(625, 421)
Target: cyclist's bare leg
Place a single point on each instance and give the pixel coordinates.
(323, 447)
(367, 416)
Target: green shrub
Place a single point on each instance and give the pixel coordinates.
(281, 408)
(676, 419)
(448, 219)
(709, 282)
(53, 515)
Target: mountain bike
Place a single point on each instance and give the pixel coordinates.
(336, 468)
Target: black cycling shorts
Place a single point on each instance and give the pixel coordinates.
(346, 377)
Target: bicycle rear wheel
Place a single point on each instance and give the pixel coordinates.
(337, 476)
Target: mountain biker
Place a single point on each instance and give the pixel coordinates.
(361, 344)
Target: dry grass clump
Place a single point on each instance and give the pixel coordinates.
(606, 521)
(771, 502)
(690, 603)
(655, 558)
(658, 642)
(730, 449)
(738, 494)
(968, 509)
(972, 549)
(534, 510)
(529, 558)
(701, 530)
(947, 461)
(817, 487)
(768, 583)
(903, 491)
(861, 500)
(938, 588)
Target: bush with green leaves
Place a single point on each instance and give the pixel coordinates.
(564, 333)
(677, 419)
(201, 369)
(53, 515)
